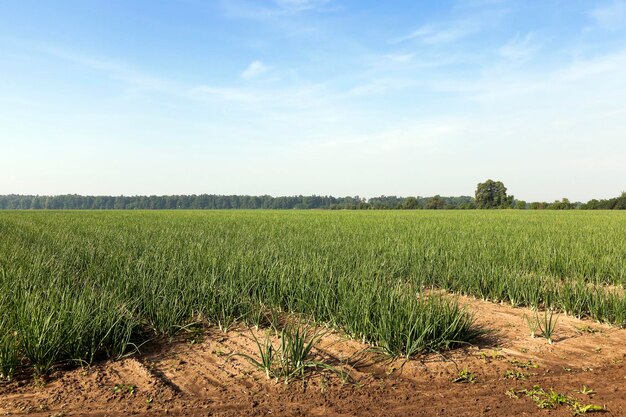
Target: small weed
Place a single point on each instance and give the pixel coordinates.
(124, 389)
(539, 397)
(580, 409)
(465, 377)
(495, 354)
(586, 329)
(196, 336)
(39, 380)
(557, 398)
(512, 374)
(524, 365)
(551, 399)
(219, 352)
(511, 393)
(586, 390)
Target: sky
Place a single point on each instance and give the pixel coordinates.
(327, 97)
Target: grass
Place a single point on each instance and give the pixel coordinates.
(78, 286)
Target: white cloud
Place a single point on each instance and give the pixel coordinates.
(611, 16)
(255, 69)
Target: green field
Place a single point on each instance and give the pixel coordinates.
(76, 286)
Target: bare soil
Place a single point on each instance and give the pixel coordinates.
(189, 377)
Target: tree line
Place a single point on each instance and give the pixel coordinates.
(221, 202)
(493, 195)
(489, 195)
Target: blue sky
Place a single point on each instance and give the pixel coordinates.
(338, 97)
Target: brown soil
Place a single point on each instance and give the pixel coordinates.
(181, 378)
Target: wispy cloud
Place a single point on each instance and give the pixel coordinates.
(114, 69)
(608, 67)
(597, 79)
(298, 6)
(221, 94)
(465, 20)
(610, 16)
(145, 82)
(434, 34)
(255, 69)
(399, 57)
(389, 63)
(472, 4)
(381, 86)
(246, 9)
(520, 48)
(423, 136)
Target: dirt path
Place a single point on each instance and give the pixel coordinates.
(183, 378)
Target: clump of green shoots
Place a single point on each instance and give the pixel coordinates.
(8, 348)
(533, 325)
(293, 358)
(545, 324)
(8, 355)
(266, 356)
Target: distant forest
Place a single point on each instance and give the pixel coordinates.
(213, 202)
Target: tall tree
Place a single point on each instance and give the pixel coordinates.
(492, 194)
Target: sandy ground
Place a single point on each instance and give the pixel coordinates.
(189, 377)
